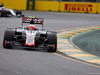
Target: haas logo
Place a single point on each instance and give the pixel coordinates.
(29, 19)
(36, 20)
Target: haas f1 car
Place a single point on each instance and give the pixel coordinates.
(4, 12)
(29, 38)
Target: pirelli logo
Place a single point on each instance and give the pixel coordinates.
(79, 7)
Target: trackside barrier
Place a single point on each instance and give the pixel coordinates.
(47, 5)
(98, 8)
(30, 4)
(80, 7)
(15, 4)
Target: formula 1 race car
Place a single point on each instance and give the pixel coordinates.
(30, 38)
(4, 12)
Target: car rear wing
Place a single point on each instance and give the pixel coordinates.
(36, 20)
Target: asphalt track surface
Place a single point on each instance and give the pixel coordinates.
(41, 62)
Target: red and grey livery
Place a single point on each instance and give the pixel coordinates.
(30, 38)
(25, 38)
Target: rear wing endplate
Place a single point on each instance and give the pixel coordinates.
(36, 20)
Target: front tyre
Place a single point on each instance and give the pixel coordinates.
(52, 40)
(8, 36)
(19, 13)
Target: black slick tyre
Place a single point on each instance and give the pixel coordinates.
(18, 13)
(8, 36)
(3, 13)
(52, 39)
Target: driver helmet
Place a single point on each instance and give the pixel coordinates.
(32, 27)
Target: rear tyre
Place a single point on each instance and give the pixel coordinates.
(52, 39)
(3, 13)
(8, 36)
